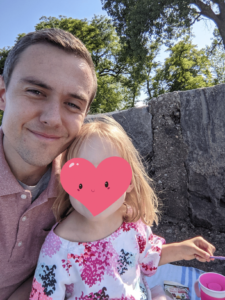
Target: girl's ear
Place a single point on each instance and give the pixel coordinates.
(130, 188)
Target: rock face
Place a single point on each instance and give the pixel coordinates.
(169, 154)
(137, 122)
(181, 136)
(203, 128)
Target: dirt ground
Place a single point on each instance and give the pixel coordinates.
(176, 231)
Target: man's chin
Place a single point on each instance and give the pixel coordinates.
(39, 161)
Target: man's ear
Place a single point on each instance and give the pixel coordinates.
(130, 188)
(2, 93)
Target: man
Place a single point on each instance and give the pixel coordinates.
(47, 87)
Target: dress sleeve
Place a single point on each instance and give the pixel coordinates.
(52, 271)
(150, 248)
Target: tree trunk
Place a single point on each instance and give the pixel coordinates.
(219, 20)
(133, 99)
(221, 27)
(148, 89)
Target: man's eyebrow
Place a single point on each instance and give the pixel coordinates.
(36, 82)
(45, 86)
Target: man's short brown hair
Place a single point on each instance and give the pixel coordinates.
(56, 37)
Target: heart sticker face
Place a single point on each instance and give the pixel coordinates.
(96, 188)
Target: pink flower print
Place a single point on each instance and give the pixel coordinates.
(156, 249)
(158, 239)
(142, 228)
(148, 268)
(151, 238)
(37, 292)
(66, 265)
(69, 290)
(115, 234)
(95, 263)
(112, 263)
(51, 245)
(128, 226)
(141, 243)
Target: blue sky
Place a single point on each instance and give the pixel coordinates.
(21, 17)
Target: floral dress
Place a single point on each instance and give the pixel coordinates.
(110, 268)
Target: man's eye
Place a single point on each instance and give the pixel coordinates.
(36, 92)
(73, 105)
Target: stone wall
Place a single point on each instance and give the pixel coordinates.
(181, 136)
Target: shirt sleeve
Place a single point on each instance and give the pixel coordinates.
(150, 248)
(52, 272)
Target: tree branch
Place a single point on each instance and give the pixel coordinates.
(216, 1)
(221, 5)
(196, 19)
(107, 71)
(216, 45)
(206, 10)
(222, 9)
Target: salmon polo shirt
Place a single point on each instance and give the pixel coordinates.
(23, 225)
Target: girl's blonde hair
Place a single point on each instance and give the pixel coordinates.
(142, 199)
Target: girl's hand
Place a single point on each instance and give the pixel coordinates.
(197, 248)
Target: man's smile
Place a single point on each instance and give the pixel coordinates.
(44, 136)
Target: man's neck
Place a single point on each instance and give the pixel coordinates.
(24, 172)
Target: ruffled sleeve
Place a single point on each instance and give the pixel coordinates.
(150, 248)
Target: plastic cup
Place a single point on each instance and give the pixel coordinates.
(212, 286)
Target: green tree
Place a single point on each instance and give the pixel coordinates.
(120, 76)
(216, 55)
(138, 21)
(186, 68)
(217, 61)
(3, 55)
(117, 80)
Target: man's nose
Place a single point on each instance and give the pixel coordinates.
(51, 113)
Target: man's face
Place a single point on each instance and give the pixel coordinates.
(45, 103)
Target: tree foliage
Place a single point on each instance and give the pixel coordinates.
(137, 22)
(3, 55)
(120, 77)
(217, 60)
(186, 68)
(216, 55)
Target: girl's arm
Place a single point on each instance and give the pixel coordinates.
(189, 249)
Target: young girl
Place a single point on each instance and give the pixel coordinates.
(105, 256)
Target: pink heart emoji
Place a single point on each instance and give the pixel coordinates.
(96, 188)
